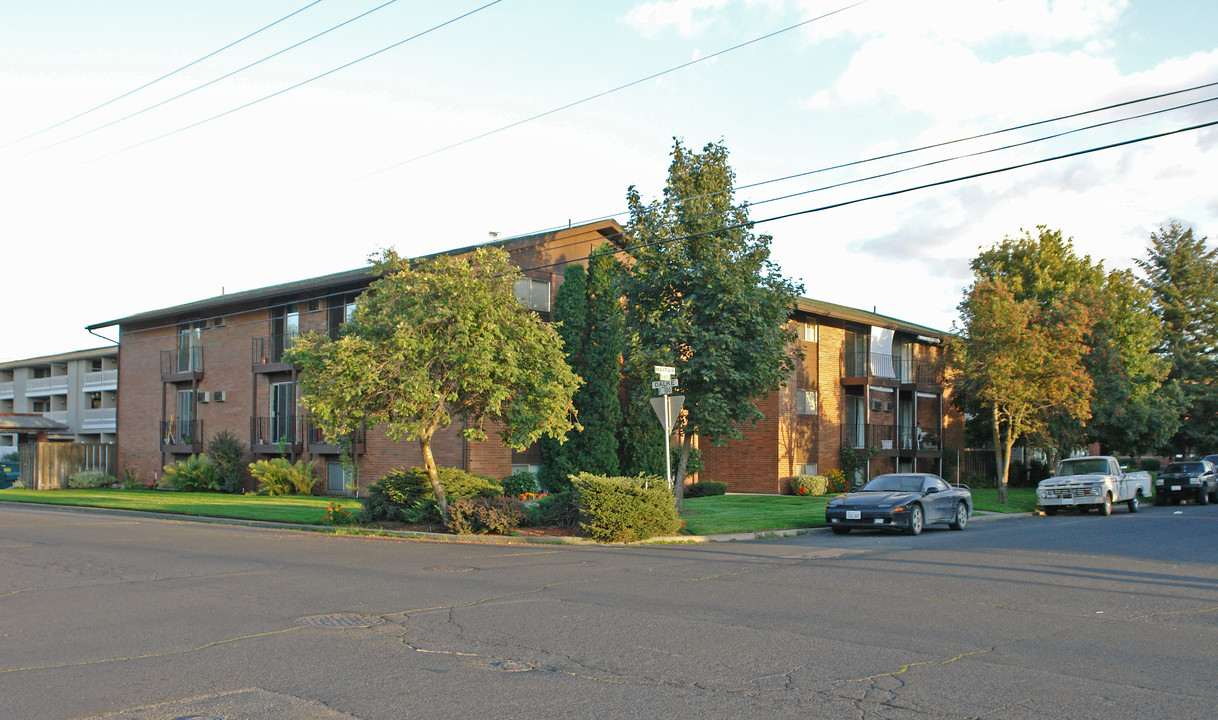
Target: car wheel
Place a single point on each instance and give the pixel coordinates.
(838, 530)
(1051, 510)
(1106, 506)
(1135, 503)
(915, 520)
(960, 518)
(1203, 498)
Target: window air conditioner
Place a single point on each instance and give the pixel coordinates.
(888, 407)
(218, 395)
(877, 405)
(204, 396)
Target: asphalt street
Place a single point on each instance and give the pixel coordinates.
(121, 616)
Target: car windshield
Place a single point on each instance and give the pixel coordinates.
(894, 483)
(1185, 467)
(1097, 466)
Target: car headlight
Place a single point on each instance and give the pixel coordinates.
(1158, 481)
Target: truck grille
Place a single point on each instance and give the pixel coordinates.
(1073, 492)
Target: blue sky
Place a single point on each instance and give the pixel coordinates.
(313, 180)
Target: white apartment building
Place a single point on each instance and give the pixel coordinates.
(78, 389)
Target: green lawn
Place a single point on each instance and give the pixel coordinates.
(280, 508)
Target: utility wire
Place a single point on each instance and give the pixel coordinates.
(280, 92)
(591, 97)
(206, 84)
(157, 80)
(748, 224)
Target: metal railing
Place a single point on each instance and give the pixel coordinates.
(316, 440)
(904, 370)
(181, 432)
(890, 437)
(99, 419)
(271, 348)
(46, 385)
(285, 431)
(182, 361)
(100, 380)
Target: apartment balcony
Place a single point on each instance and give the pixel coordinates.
(179, 436)
(892, 439)
(282, 435)
(99, 420)
(182, 365)
(315, 441)
(859, 368)
(59, 416)
(100, 380)
(6, 390)
(43, 386)
(267, 353)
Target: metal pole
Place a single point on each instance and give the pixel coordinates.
(667, 436)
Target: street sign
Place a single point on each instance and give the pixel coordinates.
(662, 384)
(665, 370)
(674, 404)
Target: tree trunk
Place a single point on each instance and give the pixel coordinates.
(429, 464)
(1002, 456)
(678, 483)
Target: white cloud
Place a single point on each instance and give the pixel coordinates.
(688, 17)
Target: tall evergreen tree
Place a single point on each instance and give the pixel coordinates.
(561, 459)
(1182, 275)
(602, 366)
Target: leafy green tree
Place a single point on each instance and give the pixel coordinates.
(704, 298)
(446, 339)
(1182, 276)
(1015, 360)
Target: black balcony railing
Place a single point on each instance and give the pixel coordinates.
(181, 433)
(890, 437)
(185, 362)
(270, 350)
(280, 431)
(316, 442)
(904, 370)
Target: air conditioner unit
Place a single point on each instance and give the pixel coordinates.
(877, 405)
(204, 396)
(218, 395)
(887, 407)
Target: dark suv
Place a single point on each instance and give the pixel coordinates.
(1195, 480)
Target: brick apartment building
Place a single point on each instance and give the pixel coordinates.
(190, 371)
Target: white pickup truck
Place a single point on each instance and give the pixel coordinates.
(1094, 481)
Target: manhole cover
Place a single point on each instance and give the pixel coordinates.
(341, 621)
(450, 568)
(514, 666)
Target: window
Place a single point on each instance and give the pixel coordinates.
(338, 478)
(810, 332)
(95, 400)
(190, 347)
(806, 469)
(805, 402)
(40, 406)
(533, 294)
(283, 412)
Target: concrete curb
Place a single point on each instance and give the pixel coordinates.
(449, 537)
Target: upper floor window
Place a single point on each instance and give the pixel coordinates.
(805, 402)
(810, 332)
(533, 294)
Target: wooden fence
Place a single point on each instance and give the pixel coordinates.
(47, 465)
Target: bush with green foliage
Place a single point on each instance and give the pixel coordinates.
(622, 509)
(519, 483)
(836, 482)
(809, 485)
(484, 515)
(196, 473)
(89, 479)
(706, 488)
(279, 477)
(1151, 465)
(228, 453)
(554, 510)
(406, 495)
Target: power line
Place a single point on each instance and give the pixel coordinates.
(284, 90)
(591, 97)
(206, 84)
(157, 80)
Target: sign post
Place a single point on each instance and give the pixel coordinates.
(667, 407)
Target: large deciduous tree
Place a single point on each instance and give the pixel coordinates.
(1182, 276)
(431, 344)
(704, 298)
(1016, 360)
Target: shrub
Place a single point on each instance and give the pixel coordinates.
(706, 488)
(279, 477)
(623, 509)
(483, 515)
(228, 453)
(519, 483)
(336, 514)
(89, 479)
(406, 494)
(553, 510)
(196, 473)
(809, 485)
(1151, 465)
(836, 482)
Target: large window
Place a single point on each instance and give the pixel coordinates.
(805, 402)
(533, 294)
(283, 412)
(190, 347)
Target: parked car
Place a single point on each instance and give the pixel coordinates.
(10, 472)
(1094, 481)
(901, 501)
(1195, 480)
(1212, 459)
